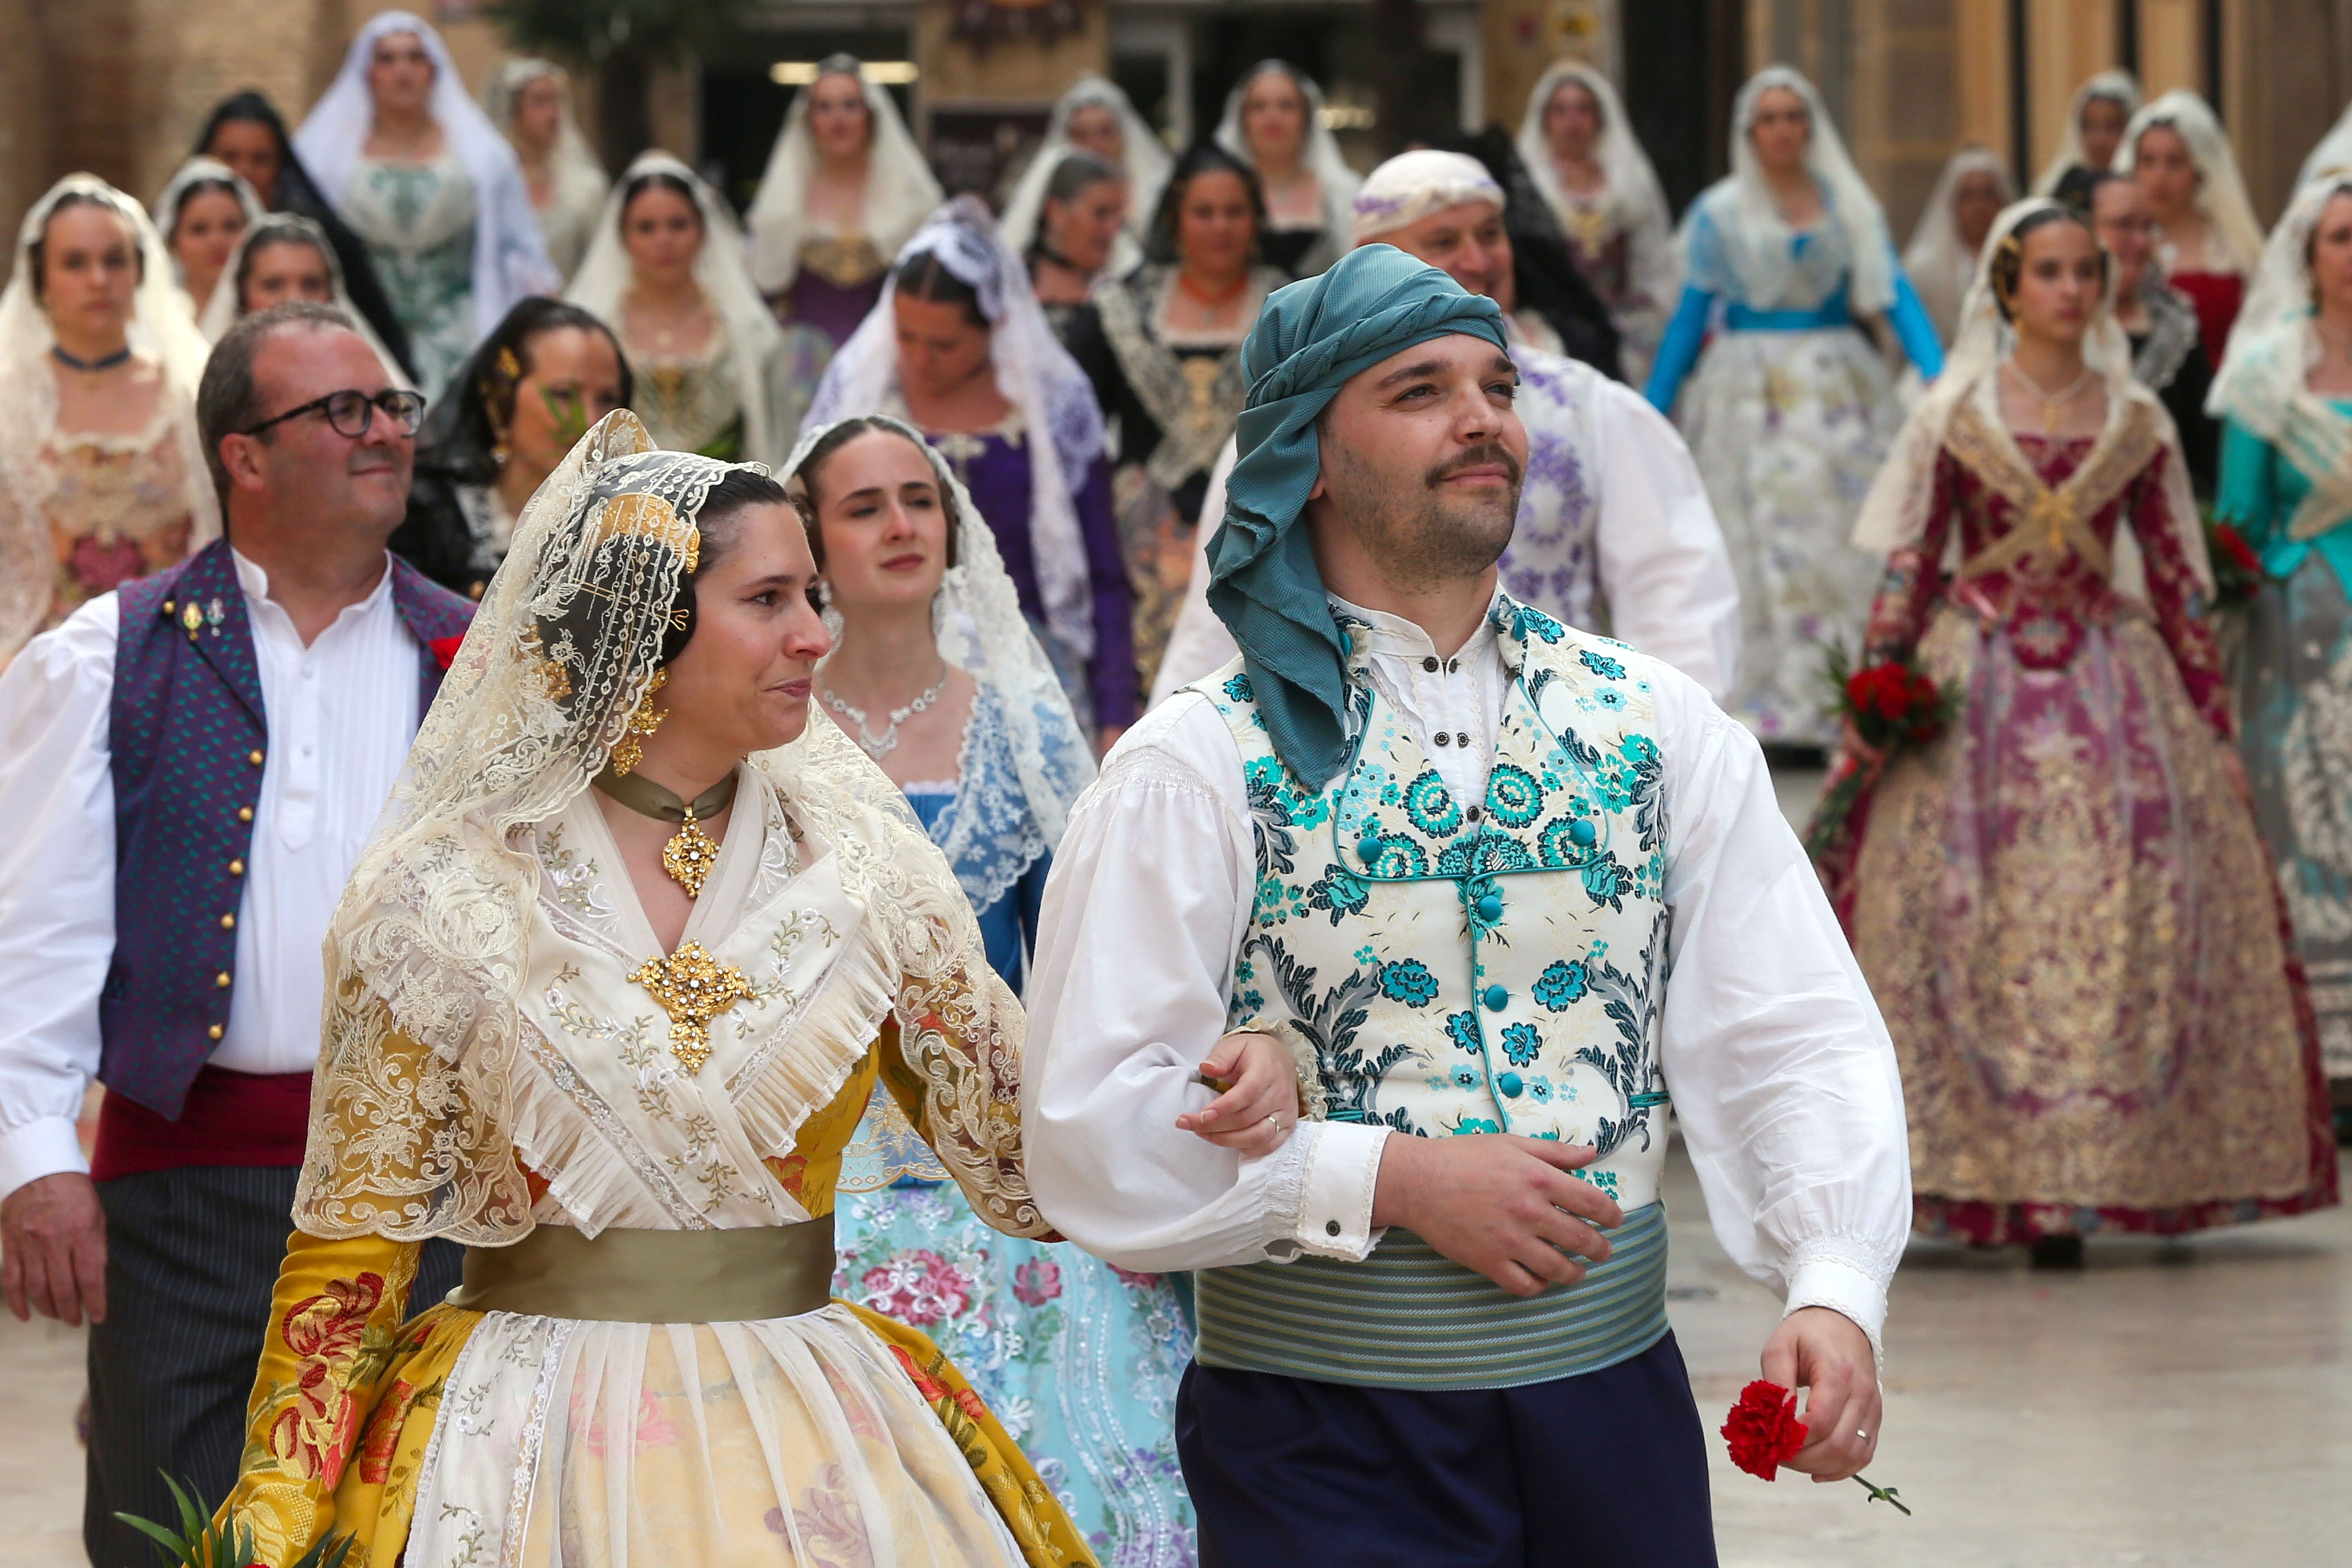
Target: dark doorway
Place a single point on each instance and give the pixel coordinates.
(1332, 46)
(1685, 61)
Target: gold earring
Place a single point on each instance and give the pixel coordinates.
(631, 751)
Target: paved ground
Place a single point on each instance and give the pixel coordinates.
(2187, 1405)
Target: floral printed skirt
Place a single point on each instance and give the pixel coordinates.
(2295, 703)
(1789, 430)
(1078, 1360)
(2070, 924)
(833, 1439)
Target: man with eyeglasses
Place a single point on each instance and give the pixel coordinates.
(190, 768)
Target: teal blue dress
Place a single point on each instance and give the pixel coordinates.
(1078, 1359)
(2294, 705)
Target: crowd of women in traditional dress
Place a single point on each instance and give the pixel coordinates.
(2108, 913)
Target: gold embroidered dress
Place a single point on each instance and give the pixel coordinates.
(509, 1051)
(2061, 903)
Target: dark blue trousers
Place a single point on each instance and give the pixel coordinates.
(1606, 1470)
(191, 1260)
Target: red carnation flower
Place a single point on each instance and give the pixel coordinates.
(445, 649)
(2230, 540)
(1763, 1430)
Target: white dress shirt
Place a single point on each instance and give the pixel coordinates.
(1661, 567)
(1783, 1078)
(341, 714)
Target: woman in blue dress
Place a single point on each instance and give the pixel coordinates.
(1790, 410)
(936, 673)
(2285, 392)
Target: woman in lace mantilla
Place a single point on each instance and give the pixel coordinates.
(417, 168)
(1580, 149)
(958, 346)
(2208, 238)
(1791, 408)
(1093, 117)
(1274, 124)
(844, 188)
(2287, 485)
(936, 671)
(615, 1040)
(530, 101)
(2061, 902)
(716, 374)
(200, 217)
(1163, 348)
(103, 478)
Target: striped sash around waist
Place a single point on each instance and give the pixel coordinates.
(1410, 1317)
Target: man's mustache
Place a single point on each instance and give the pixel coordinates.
(1477, 457)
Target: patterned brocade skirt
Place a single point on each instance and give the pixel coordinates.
(2071, 926)
(1789, 429)
(2295, 710)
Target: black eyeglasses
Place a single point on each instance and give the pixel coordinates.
(352, 412)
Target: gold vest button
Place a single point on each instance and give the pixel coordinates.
(254, 757)
(221, 980)
(214, 1033)
(228, 922)
(236, 868)
(244, 814)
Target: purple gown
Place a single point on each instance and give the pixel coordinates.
(996, 471)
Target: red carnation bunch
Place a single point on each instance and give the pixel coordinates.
(445, 649)
(1888, 705)
(1763, 1433)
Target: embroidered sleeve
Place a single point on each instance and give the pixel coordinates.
(335, 1335)
(951, 1057)
(1913, 575)
(2174, 598)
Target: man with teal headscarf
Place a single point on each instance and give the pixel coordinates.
(1442, 848)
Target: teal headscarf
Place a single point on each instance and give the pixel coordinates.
(1311, 337)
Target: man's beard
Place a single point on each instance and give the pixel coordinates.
(1419, 535)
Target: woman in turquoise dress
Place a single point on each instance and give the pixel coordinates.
(936, 673)
(2285, 395)
(1788, 410)
(419, 172)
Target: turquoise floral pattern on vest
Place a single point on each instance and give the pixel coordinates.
(1484, 966)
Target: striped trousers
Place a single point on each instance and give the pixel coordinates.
(192, 1258)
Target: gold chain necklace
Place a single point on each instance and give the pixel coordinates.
(691, 853)
(2051, 407)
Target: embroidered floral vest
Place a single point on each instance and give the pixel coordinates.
(1457, 968)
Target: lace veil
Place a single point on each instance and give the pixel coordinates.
(161, 329)
(1333, 177)
(411, 1120)
(899, 186)
(2221, 189)
(1147, 163)
(981, 630)
(2115, 86)
(1757, 240)
(1034, 371)
(222, 311)
(755, 340)
(1636, 203)
(1938, 263)
(1895, 515)
(579, 178)
(2265, 382)
(199, 171)
(510, 255)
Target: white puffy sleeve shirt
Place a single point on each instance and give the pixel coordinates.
(1782, 1074)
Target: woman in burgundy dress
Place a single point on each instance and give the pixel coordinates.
(2061, 902)
(2208, 238)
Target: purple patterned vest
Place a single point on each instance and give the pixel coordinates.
(189, 737)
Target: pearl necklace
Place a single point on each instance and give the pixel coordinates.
(880, 746)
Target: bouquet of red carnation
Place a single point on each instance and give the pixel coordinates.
(1764, 1434)
(2237, 570)
(1888, 705)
